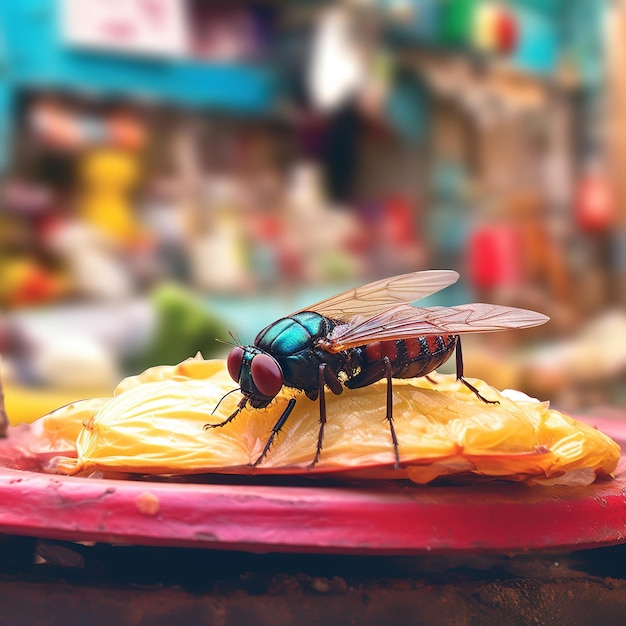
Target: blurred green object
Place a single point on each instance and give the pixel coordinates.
(457, 22)
(184, 327)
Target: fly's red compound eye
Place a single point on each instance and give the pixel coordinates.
(234, 363)
(267, 375)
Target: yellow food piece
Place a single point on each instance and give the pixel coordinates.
(63, 425)
(154, 424)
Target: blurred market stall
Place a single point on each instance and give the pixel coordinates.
(260, 155)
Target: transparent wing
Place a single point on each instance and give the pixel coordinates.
(404, 322)
(376, 297)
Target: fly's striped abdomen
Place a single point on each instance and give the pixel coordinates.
(413, 357)
(409, 358)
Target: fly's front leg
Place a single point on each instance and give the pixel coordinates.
(276, 429)
(231, 417)
(459, 374)
(389, 415)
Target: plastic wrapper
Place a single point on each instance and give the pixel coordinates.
(154, 425)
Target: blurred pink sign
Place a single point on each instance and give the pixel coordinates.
(145, 27)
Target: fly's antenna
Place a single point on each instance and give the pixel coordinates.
(234, 340)
(226, 394)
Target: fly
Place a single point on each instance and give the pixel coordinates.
(358, 337)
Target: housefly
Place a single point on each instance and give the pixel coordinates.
(358, 337)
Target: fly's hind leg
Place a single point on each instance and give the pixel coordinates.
(389, 414)
(459, 374)
(372, 373)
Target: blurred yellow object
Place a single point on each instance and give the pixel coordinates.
(154, 424)
(108, 176)
(27, 404)
(485, 36)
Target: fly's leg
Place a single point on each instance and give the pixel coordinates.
(459, 374)
(372, 373)
(230, 418)
(389, 415)
(276, 429)
(320, 434)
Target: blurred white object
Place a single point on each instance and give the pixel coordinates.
(595, 354)
(77, 362)
(78, 345)
(338, 71)
(217, 252)
(123, 327)
(96, 270)
(315, 229)
(146, 27)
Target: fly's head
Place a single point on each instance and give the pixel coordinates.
(259, 375)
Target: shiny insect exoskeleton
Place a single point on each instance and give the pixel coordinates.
(358, 337)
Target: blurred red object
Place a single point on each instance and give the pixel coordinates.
(125, 130)
(399, 224)
(496, 28)
(593, 203)
(506, 32)
(494, 257)
(28, 283)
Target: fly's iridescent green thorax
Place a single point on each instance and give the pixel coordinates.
(292, 341)
(293, 334)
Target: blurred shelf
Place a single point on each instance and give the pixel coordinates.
(36, 55)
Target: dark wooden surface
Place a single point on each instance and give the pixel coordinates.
(50, 582)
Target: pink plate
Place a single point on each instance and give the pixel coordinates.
(267, 515)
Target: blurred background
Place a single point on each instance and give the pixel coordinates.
(175, 170)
